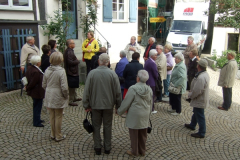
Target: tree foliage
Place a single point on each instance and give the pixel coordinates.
(229, 13)
(59, 25)
(90, 19)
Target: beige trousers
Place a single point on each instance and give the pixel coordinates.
(56, 122)
(138, 139)
(73, 95)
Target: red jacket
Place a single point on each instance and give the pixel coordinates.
(34, 86)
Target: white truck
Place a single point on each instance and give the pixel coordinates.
(189, 20)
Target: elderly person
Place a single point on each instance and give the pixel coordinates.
(55, 84)
(192, 66)
(28, 50)
(178, 80)
(94, 60)
(89, 47)
(199, 95)
(170, 63)
(151, 45)
(120, 68)
(191, 46)
(226, 80)
(71, 66)
(131, 48)
(53, 45)
(130, 72)
(138, 102)
(46, 49)
(100, 98)
(161, 63)
(151, 67)
(34, 89)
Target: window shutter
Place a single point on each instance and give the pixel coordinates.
(132, 10)
(107, 10)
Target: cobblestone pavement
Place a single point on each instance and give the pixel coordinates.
(168, 140)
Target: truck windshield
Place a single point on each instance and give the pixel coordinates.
(186, 26)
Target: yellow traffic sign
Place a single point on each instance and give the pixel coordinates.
(157, 19)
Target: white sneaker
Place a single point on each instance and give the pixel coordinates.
(153, 112)
(176, 114)
(165, 96)
(172, 111)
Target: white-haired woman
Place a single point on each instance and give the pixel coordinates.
(138, 102)
(179, 81)
(56, 86)
(34, 89)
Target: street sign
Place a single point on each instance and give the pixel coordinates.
(157, 19)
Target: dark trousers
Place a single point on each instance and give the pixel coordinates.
(227, 98)
(88, 64)
(138, 139)
(37, 107)
(159, 97)
(122, 91)
(153, 90)
(175, 102)
(190, 78)
(198, 117)
(105, 116)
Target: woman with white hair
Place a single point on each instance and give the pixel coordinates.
(178, 84)
(34, 89)
(138, 103)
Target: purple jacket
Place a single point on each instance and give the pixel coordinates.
(151, 68)
(170, 61)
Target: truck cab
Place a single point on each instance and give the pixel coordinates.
(189, 20)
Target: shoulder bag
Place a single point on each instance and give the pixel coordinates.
(149, 129)
(173, 89)
(86, 123)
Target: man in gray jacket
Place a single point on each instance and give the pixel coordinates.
(226, 80)
(102, 91)
(199, 94)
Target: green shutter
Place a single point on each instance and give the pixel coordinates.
(107, 10)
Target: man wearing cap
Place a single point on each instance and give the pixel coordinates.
(199, 94)
(226, 80)
(151, 67)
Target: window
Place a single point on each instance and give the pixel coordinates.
(119, 10)
(16, 4)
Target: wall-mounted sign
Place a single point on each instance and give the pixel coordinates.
(157, 19)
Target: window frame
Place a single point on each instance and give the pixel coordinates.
(10, 6)
(126, 12)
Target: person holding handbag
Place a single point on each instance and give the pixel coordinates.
(89, 47)
(138, 104)
(177, 85)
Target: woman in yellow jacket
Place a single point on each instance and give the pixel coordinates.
(89, 47)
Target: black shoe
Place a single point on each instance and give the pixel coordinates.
(40, 125)
(189, 100)
(196, 135)
(42, 121)
(189, 127)
(107, 152)
(97, 151)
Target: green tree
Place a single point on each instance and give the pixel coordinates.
(59, 25)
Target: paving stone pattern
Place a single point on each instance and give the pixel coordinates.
(168, 140)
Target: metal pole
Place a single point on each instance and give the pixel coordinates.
(147, 20)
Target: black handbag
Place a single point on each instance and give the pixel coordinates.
(149, 129)
(158, 86)
(86, 123)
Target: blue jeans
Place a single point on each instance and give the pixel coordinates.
(37, 107)
(198, 117)
(166, 83)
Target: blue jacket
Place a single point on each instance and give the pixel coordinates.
(120, 67)
(151, 68)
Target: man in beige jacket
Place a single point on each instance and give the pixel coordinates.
(226, 80)
(132, 47)
(191, 46)
(28, 50)
(161, 63)
(199, 94)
